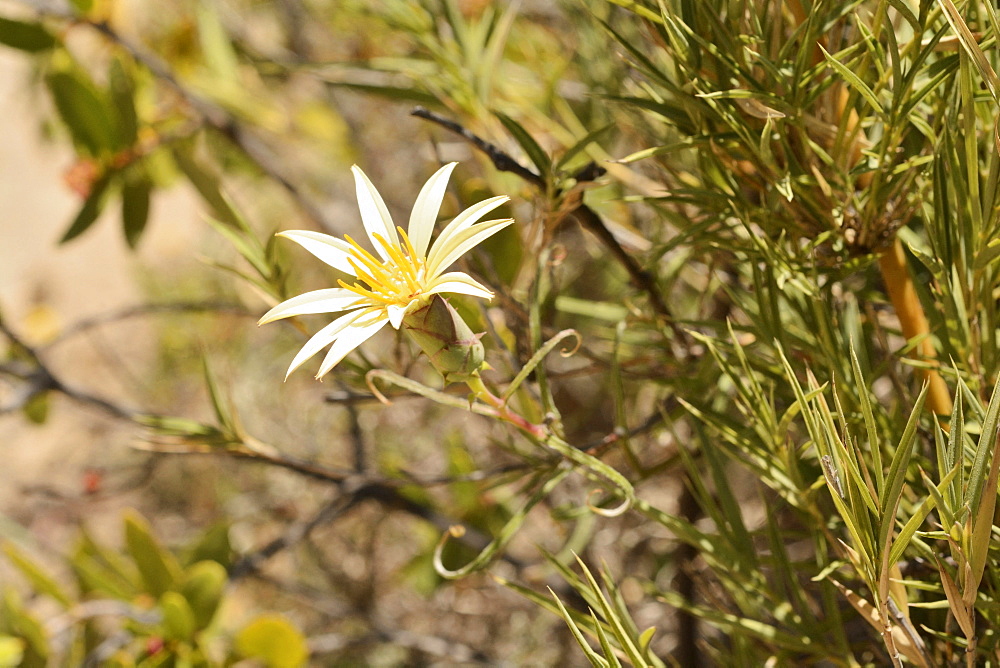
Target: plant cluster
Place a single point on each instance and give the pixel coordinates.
(730, 378)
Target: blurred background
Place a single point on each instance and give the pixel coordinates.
(150, 155)
(766, 222)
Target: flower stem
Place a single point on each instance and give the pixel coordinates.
(481, 392)
(912, 321)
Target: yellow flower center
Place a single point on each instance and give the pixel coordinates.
(398, 280)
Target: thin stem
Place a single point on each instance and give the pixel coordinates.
(503, 412)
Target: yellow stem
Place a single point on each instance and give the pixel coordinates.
(913, 322)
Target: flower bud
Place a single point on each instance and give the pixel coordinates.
(441, 333)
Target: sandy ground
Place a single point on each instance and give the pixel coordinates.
(45, 287)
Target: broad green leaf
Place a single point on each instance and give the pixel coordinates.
(100, 569)
(27, 627)
(40, 581)
(204, 584)
(216, 45)
(11, 651)
(158, 568)
(30, 37)
(90, 210)
(178, 618)
(985, 448)
(896, 477)
(135, 208)
(213, 545)
(36, 409)
(84, 109)
(122, 91)
(985, 506)
(273, 640)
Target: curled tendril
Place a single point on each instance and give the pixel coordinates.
(539, 355)
(569, 352)
(598, 469)
(607, 512)
(436, 396)
(370, 382)
(508, 531)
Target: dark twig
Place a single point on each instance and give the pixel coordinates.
(40, 379)
(333, 509)
(500, 159)
(641, 278)
(354, 491)
(140, 310)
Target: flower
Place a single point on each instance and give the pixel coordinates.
(402, 277)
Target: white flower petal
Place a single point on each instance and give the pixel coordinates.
(322, 339)
(330, 300)
(374, 214)
(396, 314)
(426, 208)
(329, 249)
(349, 339)
(462, 243)
(461, 222)
(458, 282)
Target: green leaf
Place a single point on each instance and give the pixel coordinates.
(36, 409)
(982, 525)
(875, 447)
(99, 568)
(602, 637)
(273, 640)
(985, 447)
(901, 542)
(90, 210)
(531, 148)
(971, 47)
(178, 618)
(208, 186)
(204, 584)
(122, 90)
(595, 659)
(395, 93)
(82, 6)
(212, 545)
(135, 208)
(579, 146)
(11, 651)
(84, 110)
(92, 576)
(24, 625)
(613, 619)
(40, 581)
(158, 568)
(854, 81)
(216, 46)
(30, 37)
(896, 477)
